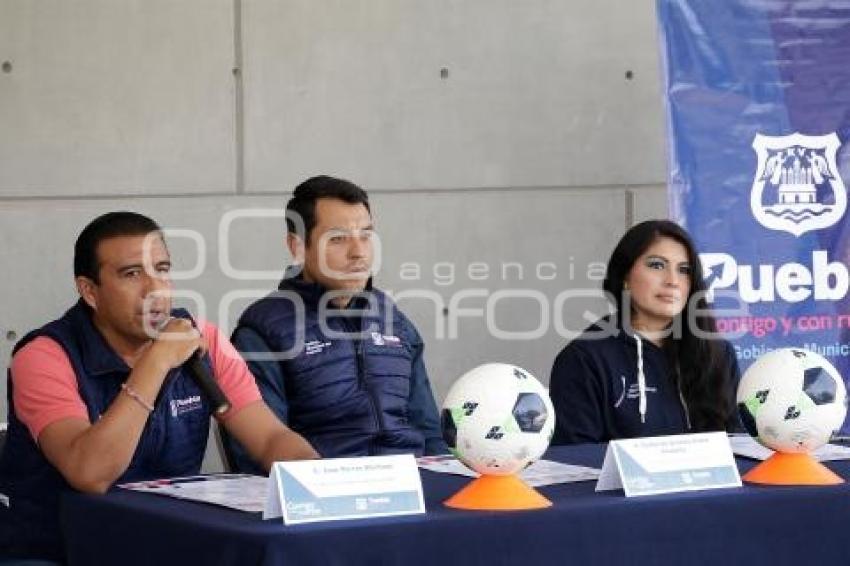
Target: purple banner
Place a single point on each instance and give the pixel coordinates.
(758, 106)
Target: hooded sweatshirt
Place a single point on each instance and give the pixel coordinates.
(608, 385)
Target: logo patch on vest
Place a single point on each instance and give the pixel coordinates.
(379, 339)
(315, 347)
(183, 406)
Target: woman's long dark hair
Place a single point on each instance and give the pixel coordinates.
(701, 365)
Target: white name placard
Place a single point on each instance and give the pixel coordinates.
(666, 464)
(343, 488)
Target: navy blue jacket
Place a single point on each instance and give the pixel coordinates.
(172, 443)
(347, 396)
(594, 390)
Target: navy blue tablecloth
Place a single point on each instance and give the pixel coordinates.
(749, 525)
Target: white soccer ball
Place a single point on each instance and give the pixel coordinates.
(497, 419)
(792, 400)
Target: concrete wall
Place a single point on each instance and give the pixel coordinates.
(506, 145)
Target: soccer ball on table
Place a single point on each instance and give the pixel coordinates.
(497, 419)
(792, 400)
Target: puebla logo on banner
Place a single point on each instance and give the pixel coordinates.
(797, 187)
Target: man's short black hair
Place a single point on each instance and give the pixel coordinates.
(303, 201)
(109, 225)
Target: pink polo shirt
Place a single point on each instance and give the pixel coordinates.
(45, 386)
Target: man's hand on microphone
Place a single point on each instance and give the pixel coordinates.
(92, 456)
(177, 340)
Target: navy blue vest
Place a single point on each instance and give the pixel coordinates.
(347, 397)
(172, 443)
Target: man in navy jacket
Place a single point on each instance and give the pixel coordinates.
(102, 395)
(334, 358)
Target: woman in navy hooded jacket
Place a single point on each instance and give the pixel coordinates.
(655, 367)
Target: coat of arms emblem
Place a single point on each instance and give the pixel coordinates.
(797, 187)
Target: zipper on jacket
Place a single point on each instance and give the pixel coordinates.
(361, 376)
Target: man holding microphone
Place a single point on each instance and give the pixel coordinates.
(105, 394)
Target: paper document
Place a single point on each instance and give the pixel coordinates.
(540, 473)
(237, 491)
(746, 446)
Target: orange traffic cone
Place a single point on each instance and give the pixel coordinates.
(792, 469)
(497, 493)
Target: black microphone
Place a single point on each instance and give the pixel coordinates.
(208, 386)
